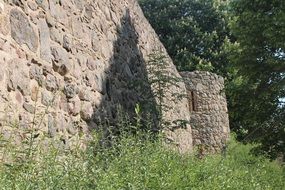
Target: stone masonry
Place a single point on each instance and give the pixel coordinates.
(67, 65)
(208, 111)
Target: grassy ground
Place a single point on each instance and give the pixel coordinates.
(142, 164)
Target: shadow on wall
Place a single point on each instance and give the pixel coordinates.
(126, 84)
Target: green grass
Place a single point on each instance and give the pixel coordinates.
(142, 164)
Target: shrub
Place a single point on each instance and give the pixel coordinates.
(138, 162)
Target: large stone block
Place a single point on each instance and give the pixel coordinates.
(22, 30)
(44, 40)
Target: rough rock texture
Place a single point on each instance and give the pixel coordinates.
(73, 63)
(208, 111)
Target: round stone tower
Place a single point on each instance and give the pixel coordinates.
(208, 111)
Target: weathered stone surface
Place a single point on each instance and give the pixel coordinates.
(51, 126)
(63, 103)
(19, 77)
(92, 64)
(70, 90)
(85, 95)
(67, 43)
(76, 71)
(53, 8)
(19, 97)
(56, 35)
(61, 62)
(2, 74)
(22, 30)
(50, 20)
(59, 54)
(43, 4)
(1, 6)
(208, 107)
(84, 56)
(4, 25)
(29, 108)
(35, 91)
(36, 72)
(72, 128)
(51, 83)
(74, 106)
(65, 68)
(47, 98)
(18, 3)
(97, 98)
(86, 111)
(32, 5)
(44, 40)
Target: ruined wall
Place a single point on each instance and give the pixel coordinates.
(66, 65)
(208, 110)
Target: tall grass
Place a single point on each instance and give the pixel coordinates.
(137, 162)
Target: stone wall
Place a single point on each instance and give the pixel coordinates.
(208, 110)
(67, 65)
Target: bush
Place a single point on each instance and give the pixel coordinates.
(138, 162)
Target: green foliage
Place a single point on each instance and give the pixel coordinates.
(258, 84)
(242, 40)
(138, 162)
(194, 32)
(162, 81)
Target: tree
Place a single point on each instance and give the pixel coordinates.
(259, 84)
(242, 40)
(163, 81)
(194, 32)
